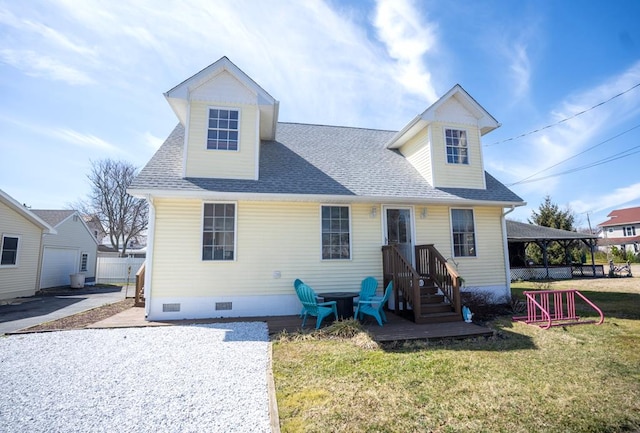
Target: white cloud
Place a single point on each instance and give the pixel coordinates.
(552, 146)
(152, 141)
(37, 65)
(616, 199)
(407, 40)
(88, 141)
(520, 69)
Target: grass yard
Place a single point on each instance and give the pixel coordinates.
(524, 379)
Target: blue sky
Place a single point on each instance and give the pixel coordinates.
(83, 80)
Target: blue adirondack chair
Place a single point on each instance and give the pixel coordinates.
(374, 307)
(368, 289)
(311, 307)
(296, 283)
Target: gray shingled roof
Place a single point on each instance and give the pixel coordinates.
(522, 232)
(317, 160)
(53, 217)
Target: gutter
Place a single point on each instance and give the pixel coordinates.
(313, 198)
(505, 247)
(151, 228)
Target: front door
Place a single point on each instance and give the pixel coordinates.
(399, 230)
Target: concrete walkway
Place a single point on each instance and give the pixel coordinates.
(20, 313)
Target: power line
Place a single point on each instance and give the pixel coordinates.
(611, 158)
(564, 120)
(576, 155)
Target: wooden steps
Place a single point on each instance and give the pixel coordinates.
(433, 306)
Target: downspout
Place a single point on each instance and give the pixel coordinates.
(149, 259)
(505, 246)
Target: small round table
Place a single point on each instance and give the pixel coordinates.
(344, 302)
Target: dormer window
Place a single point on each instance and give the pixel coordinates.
(223, 129)
(457, 149)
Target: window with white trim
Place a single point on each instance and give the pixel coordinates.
(456, 143)
(336, 233)
(223, 129)
(629, 231)
(9, 250)
(218, 231)
(84, 261)
(463, 233)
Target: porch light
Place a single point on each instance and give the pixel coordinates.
(374, 212)
(423, 213)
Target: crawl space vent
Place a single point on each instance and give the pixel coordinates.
(170, 308)
(223, 306)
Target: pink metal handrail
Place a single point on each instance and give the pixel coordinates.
(564, 317)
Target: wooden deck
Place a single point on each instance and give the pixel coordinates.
(397, 329)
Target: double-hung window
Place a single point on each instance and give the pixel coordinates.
(336, 235)
(463, 232)
(219, 231)
(223, 130)
(629, 231)
(457, 148)
(9, 250)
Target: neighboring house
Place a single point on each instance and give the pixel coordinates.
(96, 227)
(21, 233)
(72, 250)
(241, 204)
(622, 230)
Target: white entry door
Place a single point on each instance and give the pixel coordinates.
(57, 265)
(399, 230)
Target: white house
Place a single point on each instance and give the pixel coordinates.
(622, 230)
(241, 204)
(21, 233)
(73, 249)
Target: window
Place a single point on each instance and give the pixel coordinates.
(336, 238)
(9, 251)
(629, 231)
(457, 150)
(223, 129)
(464, 236)
(84, 260)
(218, 234)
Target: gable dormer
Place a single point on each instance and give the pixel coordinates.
(444, 142)
(225, 114)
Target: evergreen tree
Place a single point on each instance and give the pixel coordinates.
(550, 215)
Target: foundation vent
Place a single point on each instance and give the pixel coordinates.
(170, 308)
(223, 306)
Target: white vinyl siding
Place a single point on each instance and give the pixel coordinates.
(418, 152)
(202, 162)
(277, 242)
(487, 268)
(448, 175)
(20, 280)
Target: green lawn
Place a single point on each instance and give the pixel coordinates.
(524, 379)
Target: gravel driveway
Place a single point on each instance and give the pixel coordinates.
(201, 378)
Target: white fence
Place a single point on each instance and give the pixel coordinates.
(116, 269)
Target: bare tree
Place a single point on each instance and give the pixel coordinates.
(123, 216)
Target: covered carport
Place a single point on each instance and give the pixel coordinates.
(519, 235)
